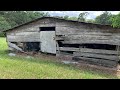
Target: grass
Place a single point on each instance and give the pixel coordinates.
(38, 68)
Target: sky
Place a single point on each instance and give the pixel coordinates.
(91, 15)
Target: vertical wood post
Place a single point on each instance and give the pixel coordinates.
(57, 45)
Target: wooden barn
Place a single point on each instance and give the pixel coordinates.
(79, 41)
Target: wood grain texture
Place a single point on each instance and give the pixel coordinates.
(99, 56)
(88, 50)
(101, 62)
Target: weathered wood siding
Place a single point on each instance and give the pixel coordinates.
(78, 33)
(29, 32)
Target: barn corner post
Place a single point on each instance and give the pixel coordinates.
(118, 55)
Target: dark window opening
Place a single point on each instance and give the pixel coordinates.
(32, 46)
(47, 28)
(67, 52)
(100, 46)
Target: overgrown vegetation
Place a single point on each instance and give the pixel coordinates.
(38, 68)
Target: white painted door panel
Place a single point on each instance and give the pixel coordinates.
(48, 43)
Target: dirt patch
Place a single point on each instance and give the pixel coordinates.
(39, 55)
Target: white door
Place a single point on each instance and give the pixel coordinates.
(48, 43)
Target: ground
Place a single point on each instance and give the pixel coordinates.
(20, 67)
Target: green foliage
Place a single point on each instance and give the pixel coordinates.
(90, 21)
(82, 16)
(115, 19)
(104, 18)
(4, 24)
(66, 17)
(73, 18)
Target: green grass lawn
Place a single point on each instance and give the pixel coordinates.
(39, 68)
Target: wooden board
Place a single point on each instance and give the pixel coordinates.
(92, 37)
(97, 61)
(27, 38)
(84, 41)
(34, 34)
(88, 50)
(92, 55)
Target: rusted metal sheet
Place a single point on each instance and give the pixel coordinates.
(48, 43)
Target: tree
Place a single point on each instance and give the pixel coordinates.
(104, 18)
(82, 16)
(115, 19)
(66, 17)
(73, 18)
(3, 25)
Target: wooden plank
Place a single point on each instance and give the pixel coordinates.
(99, 51)
(14, 46)
(68, 49)
(91, 37)
(88, 50)
(94, 33)
(37, 34)
(84, 41)
(57, 47)
(59, 38)
(93, 55)
(27, 38)
(97, 61)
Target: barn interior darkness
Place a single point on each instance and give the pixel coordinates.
(32, 46)
(92, 46)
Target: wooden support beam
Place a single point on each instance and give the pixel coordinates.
(97, 61)
(99, 56)
(84, 41)
(88, 50)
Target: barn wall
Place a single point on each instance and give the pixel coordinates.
(76, 34)
(28, 33)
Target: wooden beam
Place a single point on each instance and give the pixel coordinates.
(58, 49)
(59, 38)
(91, 37)
(100, 56)
(68, 49)
(88, 50)
(28, 38)
(97, 61)
(85, 41)
(14, 46)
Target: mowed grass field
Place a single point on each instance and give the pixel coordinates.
(19, 67)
